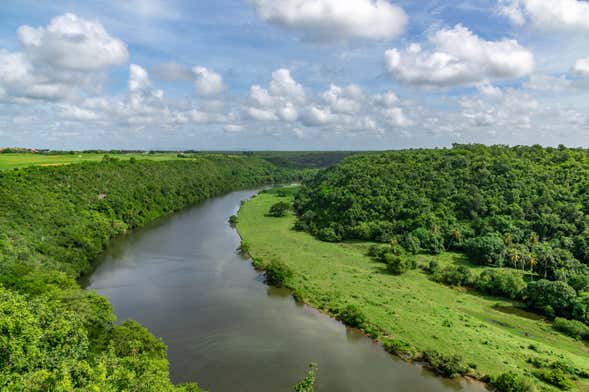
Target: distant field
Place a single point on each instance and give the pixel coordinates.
(491, 333)
(18, 160)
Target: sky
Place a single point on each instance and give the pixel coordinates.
(293, 74)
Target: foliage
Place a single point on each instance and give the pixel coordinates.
(552, 298)
(54, 221)
(279, 209)
(410, 307)
(573, 328)
(520, 207)
(512, 382)
(501, 282)
(352, 316)
(307, 384)
(277, 273)
(446, 365)
(398, 265)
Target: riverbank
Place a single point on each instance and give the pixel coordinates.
(409, 312)
(54, 222)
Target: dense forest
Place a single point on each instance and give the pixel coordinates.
(54, 221)
(524, 210)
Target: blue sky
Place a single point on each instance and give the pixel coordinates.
(293, 74)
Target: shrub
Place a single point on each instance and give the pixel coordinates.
(352, 316)
(429, 241)
(446, 365)
(454, 276)
(504, 283)
(432, 267)
(573, 328)
(399, 347)
(328, 235)
(512, 382)
(244, 247)
(277, 273)
(279, 209)
(487, 250)
(559, 296)
(307, 384)
(556, 377)
(233, 219)
(398, 265)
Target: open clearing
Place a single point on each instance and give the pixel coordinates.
(18, 160)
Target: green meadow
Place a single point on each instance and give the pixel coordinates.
(492, 335)
(18, 160)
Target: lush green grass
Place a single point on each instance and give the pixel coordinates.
(489, 332)
(17, 160)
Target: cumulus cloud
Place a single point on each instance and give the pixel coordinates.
(335, 19)
(61, 61)
(459, 57)
(343, 100)
(70, 42)
(581, 67)
(548, 14)
(315, 116)
(279, 101)
(208, 82)
(283, 85)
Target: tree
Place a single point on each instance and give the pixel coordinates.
(279, 209)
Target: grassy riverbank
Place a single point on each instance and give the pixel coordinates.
(490, 334)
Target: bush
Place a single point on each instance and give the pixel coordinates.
(511, 382)
(454, 276)
(546, 295)
(432, 267)
(487, 250)
(429, 241)
(399, 347)
(307, 384)
(446, 365)
(328, 235)
(504, 283)
(573, 328)
(556, 377)
(233, 219)
(352, 316)
(398, 265)
(279, 209)
(277, 273)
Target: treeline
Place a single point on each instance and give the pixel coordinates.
(526, 208)
(54, 221)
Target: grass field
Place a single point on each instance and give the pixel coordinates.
(18, 160)
(491, 333)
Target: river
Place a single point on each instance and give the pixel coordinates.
(182, 278)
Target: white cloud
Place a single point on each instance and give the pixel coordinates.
(581, 67)
(335, 19)
(230, 128)
(262, 114)
(315, 116)
(459, 57)
(75, 113)
(541, 82)
(280, 101)
(72, 43)
(548, 14)
(283, 85)
(396, 117)
(208, 82)
(59, 62)
(343, 100)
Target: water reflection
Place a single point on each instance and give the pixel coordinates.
(224, 327)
